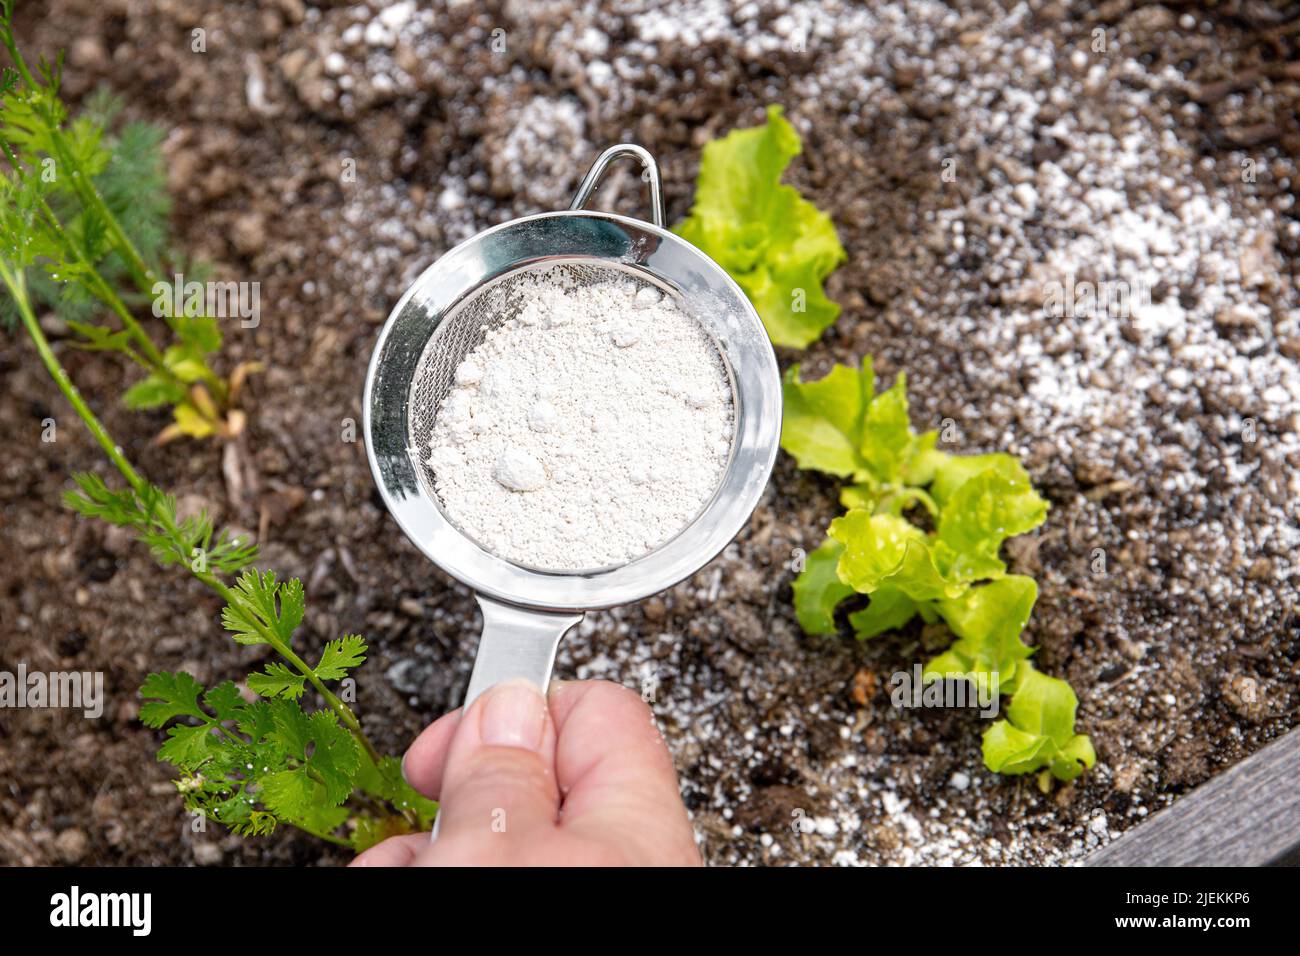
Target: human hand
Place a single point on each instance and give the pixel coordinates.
(584, 781)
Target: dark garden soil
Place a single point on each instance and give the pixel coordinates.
(1165, 439)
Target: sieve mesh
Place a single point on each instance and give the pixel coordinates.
(465, 327)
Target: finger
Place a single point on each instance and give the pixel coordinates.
(615, 773)
(395, 851)
(499, 778)
(423, 762)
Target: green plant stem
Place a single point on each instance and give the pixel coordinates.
(136, 267)
(16, 283)
(905, 495)
(108, 296)
(328, 838)
(153, 360)
(140, 272)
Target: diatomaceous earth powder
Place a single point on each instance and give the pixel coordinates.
(587, 429)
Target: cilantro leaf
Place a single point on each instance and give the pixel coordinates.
(385, 781)
(151, 513)
(98, 338)
(169, 695)
(188, 748)
(97, 500)
(153, 391)
(339, 656)
(290, 793)
(776, 245)
(260, 602)
(255, 720)
(199, 333)
(320, 743)
(335, 755)
(225, 701)
(277, 681)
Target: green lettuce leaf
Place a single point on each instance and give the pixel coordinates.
(925, 460)
(995, 504)
(987, 621)
(1011, 751)
(889, 610)
(919, 577)
(874, 546)
(950, 472)
(1038, 731)
(822, 420)
(886, 550)
(776, 245)
(887, 438)
(839, 425)
(818, 590)
(863, 495)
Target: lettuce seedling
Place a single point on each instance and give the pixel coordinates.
(949, 570)
(777, 245)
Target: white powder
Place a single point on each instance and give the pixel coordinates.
(585, 431)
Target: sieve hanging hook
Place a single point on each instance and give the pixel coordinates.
(649, 174)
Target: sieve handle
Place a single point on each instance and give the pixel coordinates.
(649, 173)
(516, 643)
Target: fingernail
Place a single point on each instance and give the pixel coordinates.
(514, 715)
(404, 776)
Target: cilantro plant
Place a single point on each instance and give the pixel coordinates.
(776, 245)
(249, 760)
(96, 243)
(248, 764)
(921, 537)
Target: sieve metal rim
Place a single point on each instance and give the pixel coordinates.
(592, 237)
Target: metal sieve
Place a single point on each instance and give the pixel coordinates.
(447, 313)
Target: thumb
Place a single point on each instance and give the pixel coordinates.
(499, 780)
